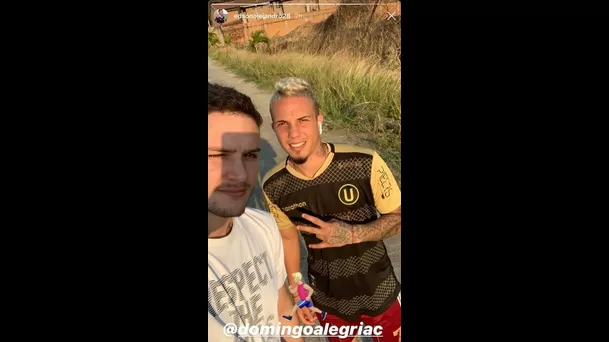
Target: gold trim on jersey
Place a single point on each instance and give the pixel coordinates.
(338, 148)
(321, 170)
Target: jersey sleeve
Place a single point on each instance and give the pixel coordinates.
(283, 221)
(387, 194)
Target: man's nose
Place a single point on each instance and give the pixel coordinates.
(235, 170)
(294, 131)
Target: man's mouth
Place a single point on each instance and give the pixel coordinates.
(298, 146)
(234, 192)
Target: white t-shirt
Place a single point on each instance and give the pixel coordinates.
(244, 274)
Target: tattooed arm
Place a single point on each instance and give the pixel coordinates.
(388, 202)
(385, 227)
(335, 233)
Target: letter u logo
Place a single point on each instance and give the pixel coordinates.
(348, 194)
(348, 197)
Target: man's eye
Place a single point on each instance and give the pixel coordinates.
(215, 155)
(252, 155)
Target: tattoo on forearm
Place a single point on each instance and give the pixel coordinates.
(386, 226)
(341, 234)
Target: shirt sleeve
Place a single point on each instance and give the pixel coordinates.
(283, 221)
(387, 194)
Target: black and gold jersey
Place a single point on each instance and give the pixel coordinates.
(353, 185)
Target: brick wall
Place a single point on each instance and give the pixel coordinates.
(241, 32)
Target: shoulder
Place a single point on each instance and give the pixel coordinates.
(350, 156)
(259, 218)
(346, 149)
(259, 222)
(277, 170)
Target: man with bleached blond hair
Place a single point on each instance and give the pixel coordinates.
(344, 201)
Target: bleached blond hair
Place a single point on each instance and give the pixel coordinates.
(297, 276)
(293, 86)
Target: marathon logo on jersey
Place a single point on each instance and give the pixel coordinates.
(294, 206)
(227, 294)
(348, 194)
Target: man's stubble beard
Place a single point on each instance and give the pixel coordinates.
(302, 160)
(226, 211)
(298, 161)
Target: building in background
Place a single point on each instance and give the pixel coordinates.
(292, 15)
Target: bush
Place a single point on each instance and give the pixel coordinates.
(212, 39)
(258, 37)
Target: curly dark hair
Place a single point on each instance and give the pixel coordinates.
(226, 99)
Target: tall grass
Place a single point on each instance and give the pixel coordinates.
(356, 95)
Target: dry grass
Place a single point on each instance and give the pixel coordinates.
(349, 31)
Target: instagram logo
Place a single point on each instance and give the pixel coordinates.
(220, 16)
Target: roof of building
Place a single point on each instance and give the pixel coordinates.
(242, 3)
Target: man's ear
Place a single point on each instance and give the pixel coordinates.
(320, 117)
